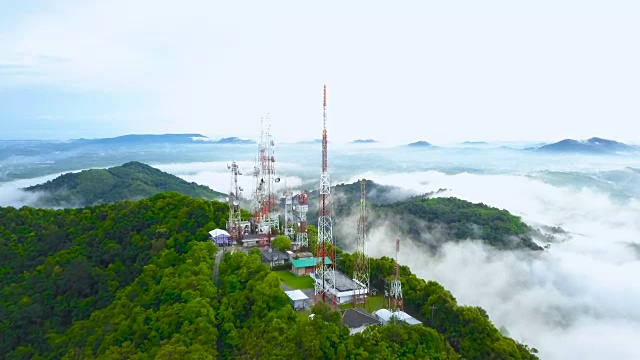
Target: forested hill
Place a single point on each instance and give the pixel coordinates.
(133, 280)
(432, 221)
(437, 220)
(131, 181)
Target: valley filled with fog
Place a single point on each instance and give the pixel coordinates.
(577, 299)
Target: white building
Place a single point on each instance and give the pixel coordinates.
(298, 299)
(385, 316)
(345, 288)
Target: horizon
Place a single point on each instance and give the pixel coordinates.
(366, 142)
(436, 72)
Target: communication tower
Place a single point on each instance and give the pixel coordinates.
(267, 216)
(395, 293)
(233, 226)
(302, 241)
(288, 213)
(360, 260)
(325, 273)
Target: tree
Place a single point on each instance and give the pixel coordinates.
(281, 242)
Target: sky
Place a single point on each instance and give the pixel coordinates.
(441, 72)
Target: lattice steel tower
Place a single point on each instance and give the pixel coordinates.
(302, 241)
(288, 213)
(233, 226)
(324, 272)
(267, 217)
(395, 293)
(360, 260)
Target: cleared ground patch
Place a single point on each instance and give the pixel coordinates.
(295, 282)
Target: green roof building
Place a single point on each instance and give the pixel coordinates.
(306, 266)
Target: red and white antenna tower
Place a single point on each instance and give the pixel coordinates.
(267, 217)
(325, 273)
(360, 260)
(395, 294)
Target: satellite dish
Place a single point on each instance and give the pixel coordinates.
(239, 172)
(240, 188)
(277, 180)
(227, 199)
(236, 202)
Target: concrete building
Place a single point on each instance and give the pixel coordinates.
(385, 316)
(306, 266)
(298, 299)
(358, 319)
(345, 288)
(273, 257)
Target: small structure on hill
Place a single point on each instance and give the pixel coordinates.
(273, 257)
(385, 316)
(344, 290)
(220, 237)
(305, 266)
(358, 319)
(298, 299)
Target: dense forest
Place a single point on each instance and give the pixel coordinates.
(131, 181)
(455, 219)
(134, 280)
(432, 220)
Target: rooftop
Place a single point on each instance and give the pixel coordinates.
(272, 254)
(296, 295)
(386, 315)
(308, 262)
(355, 318)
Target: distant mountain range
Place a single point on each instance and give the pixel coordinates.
(131, 181)
(145, 139)
(474, 143)
(420, 144)
(594, 145)
(364, 141)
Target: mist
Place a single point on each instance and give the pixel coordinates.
(579, 299)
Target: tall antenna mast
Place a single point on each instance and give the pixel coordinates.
(233, 226)
(396, 287)
(360, 261)
(267, 218)
(325, 273)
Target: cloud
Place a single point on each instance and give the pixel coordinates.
(579, 299)
(12, 195)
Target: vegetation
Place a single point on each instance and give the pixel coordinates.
(134, 281)
(295, 282)
(131, 181)
(447, 219)
(282, 243)
(58, 266)
(456, 219)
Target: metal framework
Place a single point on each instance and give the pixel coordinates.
(302, 240)
(360, 260)
(395, 292)
(288, 218)
(325, 273)
(267, 214)
(233, 226)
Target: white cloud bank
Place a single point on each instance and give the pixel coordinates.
(579, 300)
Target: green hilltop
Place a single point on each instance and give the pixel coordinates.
(451, 219)
(131, 181)
(133, 280)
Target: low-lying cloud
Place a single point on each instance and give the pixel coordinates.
(577, 300)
